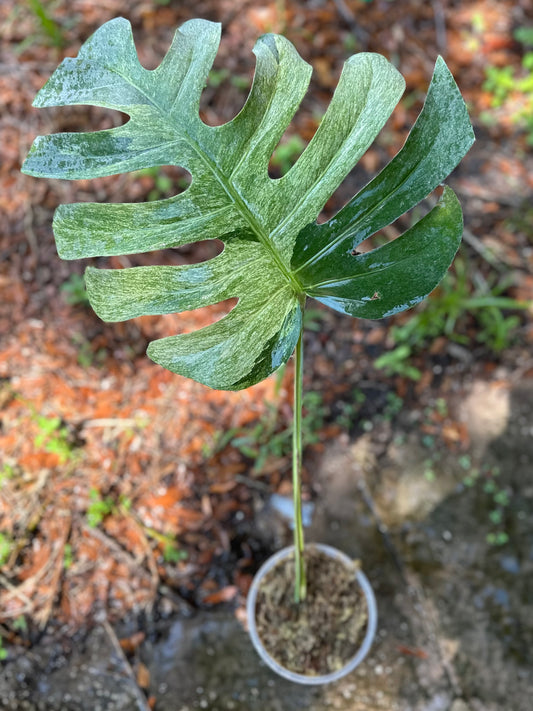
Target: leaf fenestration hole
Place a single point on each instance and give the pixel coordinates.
(79, 117)
(156, 183)
(194, 253)
(160, 182)
(399, 226)
(302, 130)
(152, 49)
(227, 89)
(186, 321)
(286, 153)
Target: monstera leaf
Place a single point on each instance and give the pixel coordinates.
(274, 252)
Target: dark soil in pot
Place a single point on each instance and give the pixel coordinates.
(321, 634)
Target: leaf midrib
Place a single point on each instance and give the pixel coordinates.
(225, 183)
(359, 275)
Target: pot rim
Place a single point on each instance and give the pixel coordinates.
(370, 627)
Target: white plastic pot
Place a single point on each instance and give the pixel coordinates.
(370, 627)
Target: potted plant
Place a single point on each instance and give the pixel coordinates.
(275, 253)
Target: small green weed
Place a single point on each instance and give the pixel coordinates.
(499, 500)
(445, 313)
(496, 329)
(264, 440)
(67, 556)
(429, 470)
(74, 291)
(287, 153)
(86, 354)
(173, 554)
(479, 24)
(99, 507)
(441, 407)
(522, 220)
(396, 362)
(393, 406)
(524, 35)
(6, 473)
(164, 185)
(513, 90)
(54, 437)
(20, 624)
(218, 76)
(125, 503)
(348, 416)
(6, 546)
(349, 43)
(465, 462)
(48, 26)
(3, 650)
(428, 441)
(500, 81)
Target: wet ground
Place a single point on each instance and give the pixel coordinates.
(447, 542)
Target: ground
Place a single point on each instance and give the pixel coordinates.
(136, 505)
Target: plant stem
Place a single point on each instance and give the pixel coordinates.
(300, 584)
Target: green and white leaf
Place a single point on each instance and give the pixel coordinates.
(274, 251)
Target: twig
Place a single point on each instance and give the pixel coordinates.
(349, 18)
(112, 545)
(236, 11)
(440, 26)
(43, 615)
(484, 251)
(251, 483)
(149, 553)
(14, 590)
(517, 375)
(143, 704)
(111, 422)
(484, 194)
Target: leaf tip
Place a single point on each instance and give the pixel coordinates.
(198, 26)
(29, 165)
